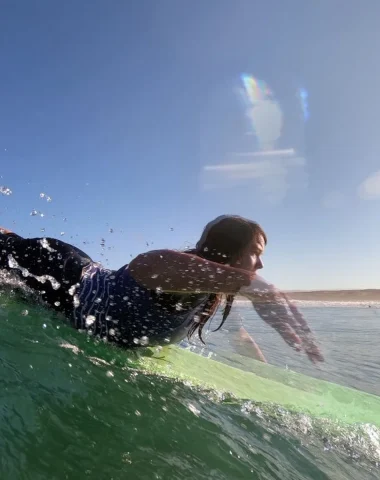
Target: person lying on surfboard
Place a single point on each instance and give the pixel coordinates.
(161, 296)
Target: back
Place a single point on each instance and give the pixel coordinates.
(113, 305)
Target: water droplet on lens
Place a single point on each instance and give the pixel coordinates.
(72, 289)
(90, 319)
(5, 191)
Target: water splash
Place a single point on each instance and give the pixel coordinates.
(5, 190)
(12, 262)
(46, 197)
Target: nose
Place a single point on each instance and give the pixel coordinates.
(259, 264)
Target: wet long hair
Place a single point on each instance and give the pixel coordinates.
(223, 241)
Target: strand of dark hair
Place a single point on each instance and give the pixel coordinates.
(214, 300)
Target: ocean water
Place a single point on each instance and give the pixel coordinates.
(348, 334)
(72, 407)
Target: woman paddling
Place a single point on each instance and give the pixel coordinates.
(161, 296)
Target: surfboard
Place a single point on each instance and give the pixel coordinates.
(266, 383)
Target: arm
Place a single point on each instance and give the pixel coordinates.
(241, 341)
(5, 230)
(246, 345)
(281, 314)
(174, 271)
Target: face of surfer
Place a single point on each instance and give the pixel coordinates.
(251, 257)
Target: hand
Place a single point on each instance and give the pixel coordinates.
(281, 314)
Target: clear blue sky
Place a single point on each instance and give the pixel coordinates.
(116, 109)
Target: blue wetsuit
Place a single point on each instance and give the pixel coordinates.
(105, 302)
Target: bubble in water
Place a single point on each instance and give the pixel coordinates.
(44, 325)
(90, 319)
(144, 341)
(62, 233)
(76, 301)
(25, 313)
(111, 230)
(5, 190)
(110, 374)
(57, 304)
(33, 213)
(126, 458)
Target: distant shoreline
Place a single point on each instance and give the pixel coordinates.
(335, 296)
(368, 295)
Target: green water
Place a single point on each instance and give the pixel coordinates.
(74, 408)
